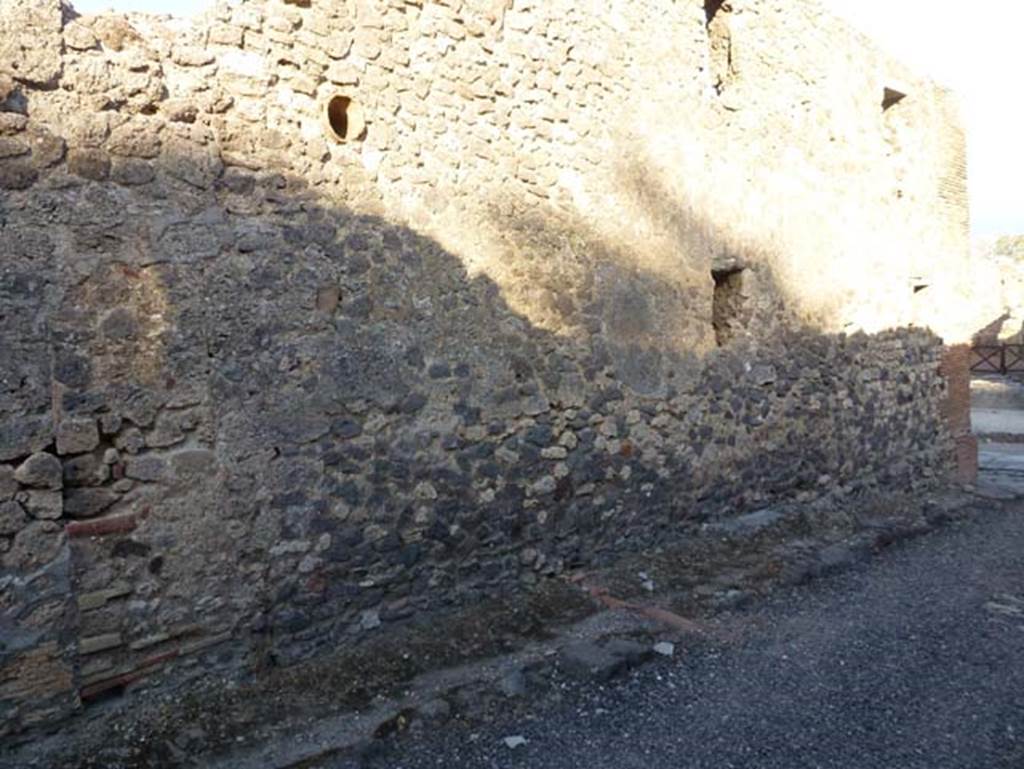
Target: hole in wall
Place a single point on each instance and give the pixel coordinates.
(344, 119)
(891, 97)
(711, 9)
(727, 304)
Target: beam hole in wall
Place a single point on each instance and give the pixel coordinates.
(344, 119)
(891, 97)
(727, 305)
(711, 9)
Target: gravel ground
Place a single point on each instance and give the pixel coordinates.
(913, 660)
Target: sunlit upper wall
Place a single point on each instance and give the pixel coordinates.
(977, 67)
(551, 145)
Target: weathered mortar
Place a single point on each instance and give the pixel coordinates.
(299, 388)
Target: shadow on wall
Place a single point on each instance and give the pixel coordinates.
(284, 422)
(654, 287)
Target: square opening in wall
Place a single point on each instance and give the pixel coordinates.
(727, 305)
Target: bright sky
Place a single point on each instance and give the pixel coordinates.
(975, 48)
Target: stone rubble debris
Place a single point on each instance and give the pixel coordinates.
(665, 648)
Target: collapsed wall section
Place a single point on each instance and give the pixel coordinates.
(318, 318)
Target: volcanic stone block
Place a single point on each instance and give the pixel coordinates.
(8, 483)
(40, 471)
(89, 164)
(86, 503)
(17, 174)
(99, 643)
(25, 435)
(77, 436)
(12, 518)
(44, 505)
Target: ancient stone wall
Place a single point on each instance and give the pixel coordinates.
(317, 317)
